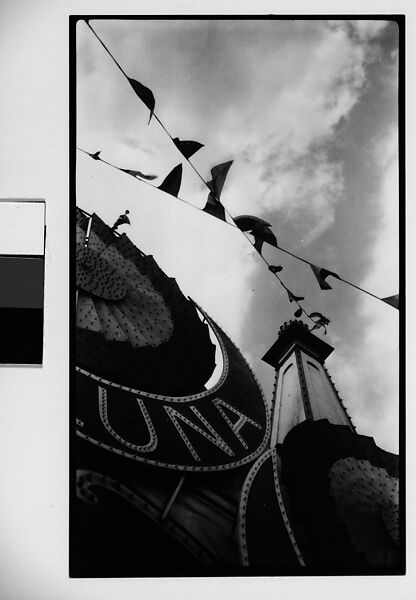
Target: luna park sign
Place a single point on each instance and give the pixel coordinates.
(220, 428)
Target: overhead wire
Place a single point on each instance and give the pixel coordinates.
(233, 224)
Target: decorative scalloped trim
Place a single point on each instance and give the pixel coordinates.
(203, 394)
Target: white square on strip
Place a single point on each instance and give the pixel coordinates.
(22, 227)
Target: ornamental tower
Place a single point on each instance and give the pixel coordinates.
(327, 493)
(303, 389)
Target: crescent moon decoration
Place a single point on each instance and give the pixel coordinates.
(144, 356)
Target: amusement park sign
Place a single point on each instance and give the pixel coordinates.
(220, 428)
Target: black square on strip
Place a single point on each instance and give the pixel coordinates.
(21, 336)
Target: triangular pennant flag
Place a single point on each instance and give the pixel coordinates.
(187, 147)
(293, 298)
(138, 174)
(275, 269)
(247, 222)
(96, 155)
(321, 275)
(268, 236)
(214, 208)
(392, 300)
(219, 173)
(298, 313)
(172, 183)
(258, 244)
(145, 95)
(257, 227)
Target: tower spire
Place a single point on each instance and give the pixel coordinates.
(303, 387)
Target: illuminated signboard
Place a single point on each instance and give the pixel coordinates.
(143, 355)
(220, 428)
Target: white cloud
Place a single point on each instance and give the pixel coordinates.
(368, 375)
(268, 94)
(284, 146)
(294, 164)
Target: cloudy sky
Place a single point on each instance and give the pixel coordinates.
(308, 112)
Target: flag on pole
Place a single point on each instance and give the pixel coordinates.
(96, 155)
(122, 220)
(213, 205)
(187, 147)
(392, 300)
(172, 183)
(321, 275)
(275, 269)
(298, 313)
(145, 95)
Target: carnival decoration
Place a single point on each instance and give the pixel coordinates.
(143, 357)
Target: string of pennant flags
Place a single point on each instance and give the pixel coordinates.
(247, 224)
(171, 185)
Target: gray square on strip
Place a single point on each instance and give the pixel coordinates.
(22, 227)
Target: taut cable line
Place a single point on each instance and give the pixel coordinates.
(233, 224)
(200, 210)
(199, 175)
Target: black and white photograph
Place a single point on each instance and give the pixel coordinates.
(206, 293)
(236, 396)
